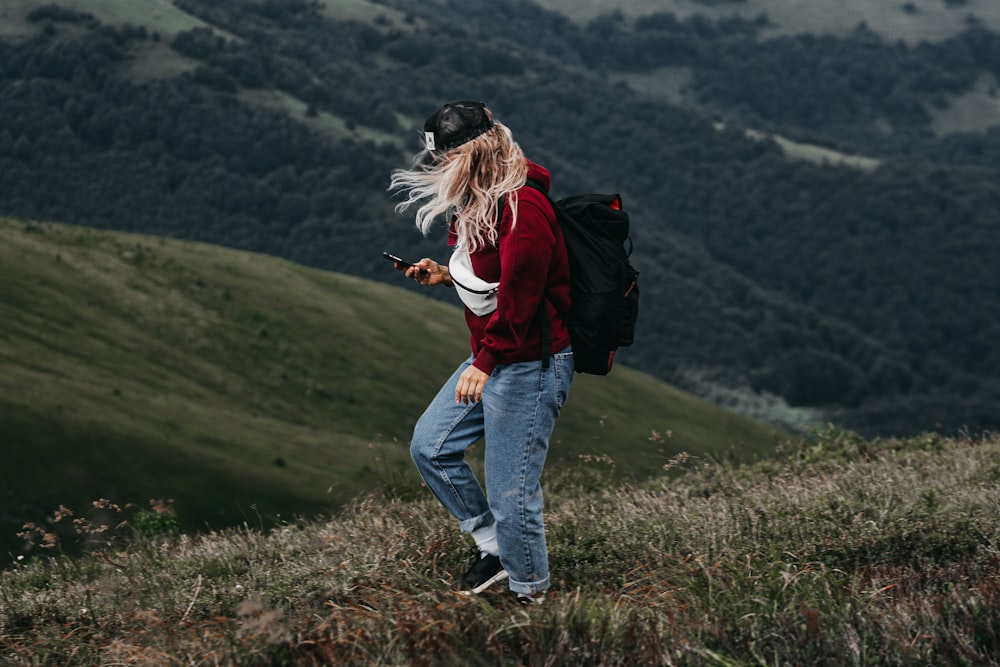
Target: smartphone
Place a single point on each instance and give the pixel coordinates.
(398, 260)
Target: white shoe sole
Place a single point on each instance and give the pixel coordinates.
(530, 600)
(499, 576)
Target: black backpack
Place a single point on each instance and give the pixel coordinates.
(604, 285)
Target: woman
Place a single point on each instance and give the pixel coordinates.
(509, 266)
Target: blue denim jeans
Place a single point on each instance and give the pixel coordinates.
(516, 416)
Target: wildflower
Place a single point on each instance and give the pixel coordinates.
(62, 513)
(677, 460)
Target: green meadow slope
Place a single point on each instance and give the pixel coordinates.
(246, 387)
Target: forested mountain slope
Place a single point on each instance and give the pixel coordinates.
(866, 297)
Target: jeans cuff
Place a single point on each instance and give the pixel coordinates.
(469, 525)
(528, 588)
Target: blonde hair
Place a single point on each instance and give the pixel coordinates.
(469, 181)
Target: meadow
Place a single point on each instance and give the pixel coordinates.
(841, 551)
(205, 456)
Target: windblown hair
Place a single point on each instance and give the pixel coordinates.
(469, 181)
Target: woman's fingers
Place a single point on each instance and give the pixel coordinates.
(470, 386)
(422, 271)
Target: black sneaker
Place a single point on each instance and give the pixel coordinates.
(485, 572)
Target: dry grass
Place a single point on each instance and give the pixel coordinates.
(844, 552)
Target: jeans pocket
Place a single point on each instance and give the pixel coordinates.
(563, 369)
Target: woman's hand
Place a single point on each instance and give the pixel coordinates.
(470, 385)
(427, 272)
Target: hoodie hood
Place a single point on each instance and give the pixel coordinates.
(536, 172)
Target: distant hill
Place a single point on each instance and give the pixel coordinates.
(911, 22)
(246, 387)
(814, 211)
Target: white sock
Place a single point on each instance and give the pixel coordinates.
(486, 539)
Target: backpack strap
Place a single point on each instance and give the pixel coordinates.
(546, 329)
(543, 319)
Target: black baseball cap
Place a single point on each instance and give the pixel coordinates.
(455, 124)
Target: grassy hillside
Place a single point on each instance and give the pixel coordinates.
(159, 13)
(908, 21)
(847, 552)
(243, 386)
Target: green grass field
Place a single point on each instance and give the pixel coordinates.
(245, 387)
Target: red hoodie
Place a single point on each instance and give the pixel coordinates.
(528, 261)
